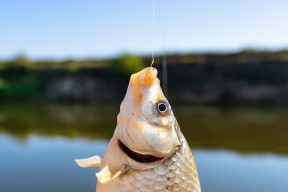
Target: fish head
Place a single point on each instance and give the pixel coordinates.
(146, 126)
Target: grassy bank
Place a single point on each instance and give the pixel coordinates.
(245, 78)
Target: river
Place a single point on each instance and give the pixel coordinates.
(236, 149)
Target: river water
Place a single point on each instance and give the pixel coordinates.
(239, 149)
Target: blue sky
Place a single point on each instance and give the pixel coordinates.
(94, 28)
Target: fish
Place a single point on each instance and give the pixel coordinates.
(147, 152)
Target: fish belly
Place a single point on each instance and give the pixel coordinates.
(177, 173)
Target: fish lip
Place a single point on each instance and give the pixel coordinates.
(138, 157)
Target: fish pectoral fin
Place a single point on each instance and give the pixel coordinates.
(94, 161)
(109, 173)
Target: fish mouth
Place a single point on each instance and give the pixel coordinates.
(141, 158)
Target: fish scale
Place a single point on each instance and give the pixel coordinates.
(177, 173)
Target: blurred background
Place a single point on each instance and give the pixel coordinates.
(65, 66)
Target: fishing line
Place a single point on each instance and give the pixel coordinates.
(164, 73)
(164, 58)
(153, 32)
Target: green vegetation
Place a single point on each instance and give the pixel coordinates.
(245, 130)
(249, 77)
(127, 64)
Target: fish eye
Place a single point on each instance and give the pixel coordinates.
(162, 107)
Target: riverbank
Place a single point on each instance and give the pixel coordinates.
(244, 78)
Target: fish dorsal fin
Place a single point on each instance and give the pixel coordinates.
(109, 173)
(94, 161)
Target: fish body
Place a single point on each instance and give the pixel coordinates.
(176, 173)
(148, 152)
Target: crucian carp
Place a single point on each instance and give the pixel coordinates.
(148, 152)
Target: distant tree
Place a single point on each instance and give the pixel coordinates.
(127, 64)
(249, 50)
(20, 61)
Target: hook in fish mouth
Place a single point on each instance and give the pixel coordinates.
(141, 158)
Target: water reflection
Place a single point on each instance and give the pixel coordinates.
(46, 164)
(245, 130)
(226, 171)
(236, 149)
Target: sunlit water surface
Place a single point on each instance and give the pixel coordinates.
(40, 160)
